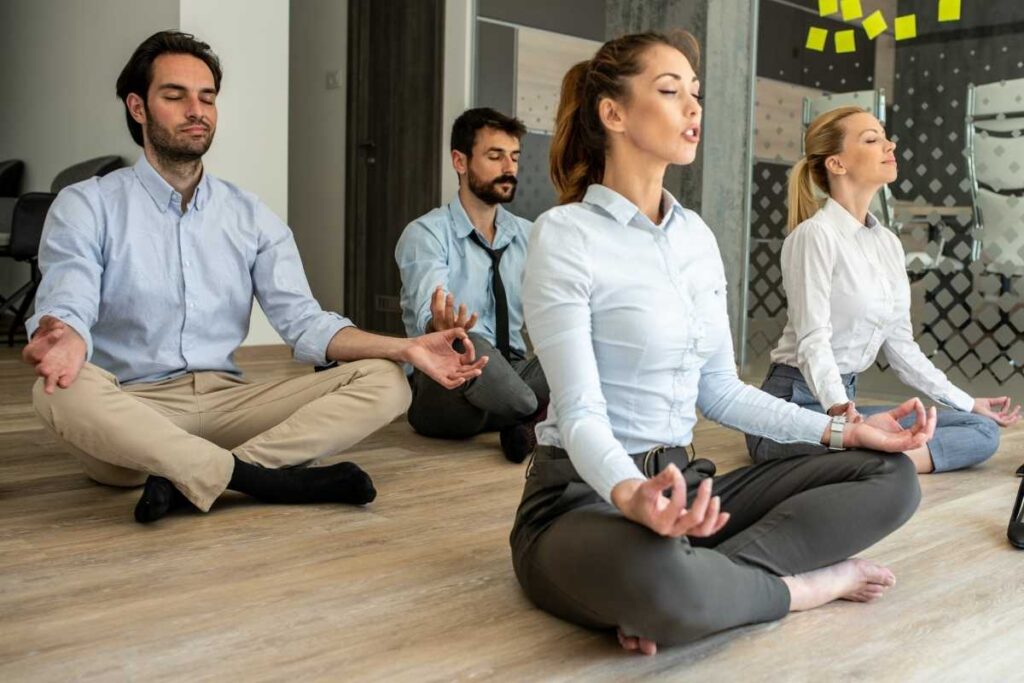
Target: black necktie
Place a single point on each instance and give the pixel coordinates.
(500, 300)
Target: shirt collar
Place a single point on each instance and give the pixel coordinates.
(504, 223)
(623, 210)
(160, 190)
(845, 220)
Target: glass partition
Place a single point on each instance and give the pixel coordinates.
(947, 78)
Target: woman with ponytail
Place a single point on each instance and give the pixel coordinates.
(624, 295)
(849, 298)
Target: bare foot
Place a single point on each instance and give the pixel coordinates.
(857, 580)
(634, 643)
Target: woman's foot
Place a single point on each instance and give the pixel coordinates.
(854, 579)
(637, 644)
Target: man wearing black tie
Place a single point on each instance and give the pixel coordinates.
(462, 266)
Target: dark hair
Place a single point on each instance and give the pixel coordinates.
(470, 121)
(137, 74)
(579, 144)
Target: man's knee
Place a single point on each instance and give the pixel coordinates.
(70, 400)
(390, 386)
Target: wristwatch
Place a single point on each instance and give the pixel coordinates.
(835, 433)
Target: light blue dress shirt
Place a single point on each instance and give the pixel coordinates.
(436, 249)
(629, 321)
(156, 292)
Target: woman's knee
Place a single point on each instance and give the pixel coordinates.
(902, 488)
(971, 440)
(988, 435)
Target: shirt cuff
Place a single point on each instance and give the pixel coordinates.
(959, 399)
(811, 425)
(833, 395)
(312, 345)
(622, 469)
(69, 319)
(424, 319)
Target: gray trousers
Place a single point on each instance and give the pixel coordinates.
(504, 395)
(578, 558)
(961, 439)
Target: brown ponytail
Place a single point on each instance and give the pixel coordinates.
(824, 138)
(579, 144)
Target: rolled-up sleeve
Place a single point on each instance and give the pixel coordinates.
(71, 262)
(556, 300)
(283, 292)
(422, 260)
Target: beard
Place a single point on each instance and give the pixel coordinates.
(488, 191)
(177, 150)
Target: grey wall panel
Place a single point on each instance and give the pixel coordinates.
(535, 193)
(496, 66)
(582, 18)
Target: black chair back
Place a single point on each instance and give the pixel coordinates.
(100, 166)
(11, 172)
(27, 224)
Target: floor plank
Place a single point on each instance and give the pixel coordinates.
(418, 586)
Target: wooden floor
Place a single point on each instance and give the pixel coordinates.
(418, 586)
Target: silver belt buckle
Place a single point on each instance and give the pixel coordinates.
(647, 459)
(649, 455)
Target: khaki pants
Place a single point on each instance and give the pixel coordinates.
(187, 428)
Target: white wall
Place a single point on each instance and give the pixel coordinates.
(316, 143)
(59, 60)
(251, 145)
(459, 30)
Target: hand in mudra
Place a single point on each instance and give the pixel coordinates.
(643, 502)
(433, 355)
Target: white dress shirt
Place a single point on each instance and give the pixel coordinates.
(848, 297)
(629, 321)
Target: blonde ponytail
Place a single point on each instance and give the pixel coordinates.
(802, 202)
(824, 138)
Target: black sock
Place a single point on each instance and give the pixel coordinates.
(159, 496)
(341, 483)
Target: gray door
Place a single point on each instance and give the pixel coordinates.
(394, 118)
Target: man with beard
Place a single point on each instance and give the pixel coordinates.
(148, 282)
(462, 268)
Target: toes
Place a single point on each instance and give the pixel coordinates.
(628, 642)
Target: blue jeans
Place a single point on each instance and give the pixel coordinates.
(961, 439)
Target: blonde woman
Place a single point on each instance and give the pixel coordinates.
(624, 295)
(849, 298)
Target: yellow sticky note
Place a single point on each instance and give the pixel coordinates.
(851, 9)
(845, 42)
(816, 38)
(906, 27)
(875, 24)
(827, 7)
(949, 10)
